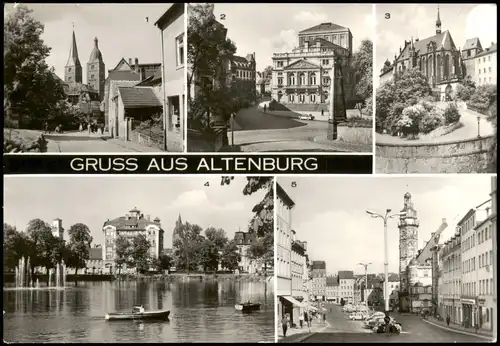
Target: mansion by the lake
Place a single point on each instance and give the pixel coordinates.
(303, 76)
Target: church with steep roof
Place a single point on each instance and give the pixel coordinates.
(437, 57)
(73, 74)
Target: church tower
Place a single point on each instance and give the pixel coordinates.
(73, 68)
(177, 230)
(438, 24)
(408, 239)
(96, 70)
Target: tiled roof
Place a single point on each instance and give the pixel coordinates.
(153, 79)
(240, 61)
(133, 223)
(323, 43)
(120, 83)
(138, 97)
(318, 265)
(442, 40)
(332, 281)
(324, 27)
(346, 274)
(491, 50)
(472, 43)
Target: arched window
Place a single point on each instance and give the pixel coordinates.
(312, 79)
(302, 78)
(446, 72)
(291, 79)
(429, 68)
(438, 70)
(487, 315)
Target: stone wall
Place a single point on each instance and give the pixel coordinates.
(174, 141)
(467, 156)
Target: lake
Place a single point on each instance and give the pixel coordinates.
(199, 312)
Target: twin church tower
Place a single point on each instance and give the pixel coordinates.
(95, 68)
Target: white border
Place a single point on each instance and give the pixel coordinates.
(275, 283)
(374, 99)
(185, 77)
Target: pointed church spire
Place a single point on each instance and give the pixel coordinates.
(179, 220)
(73, 52)
(438, 23)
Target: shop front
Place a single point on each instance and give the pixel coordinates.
(293, 308)
(469, 309)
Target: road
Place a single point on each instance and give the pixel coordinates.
(266, 132)
(414, 330)
(76, 142)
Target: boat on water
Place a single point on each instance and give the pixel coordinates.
(138, 313)
(247, 307)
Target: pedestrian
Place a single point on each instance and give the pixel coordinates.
(80, 128)
(284, 324)
(306, 319)
(448, 320)
(89, 128)
(265, 108)
(301, 320)
(476, 327)
(324, 317)
(322, 112)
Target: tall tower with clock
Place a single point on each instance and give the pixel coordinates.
(408, 239)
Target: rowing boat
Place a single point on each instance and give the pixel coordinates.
(145, 315)
(247, 307)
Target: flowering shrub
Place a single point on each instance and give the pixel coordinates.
(451, 114)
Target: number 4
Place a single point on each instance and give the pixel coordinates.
(206, 184)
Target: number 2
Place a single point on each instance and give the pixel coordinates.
(222, 17)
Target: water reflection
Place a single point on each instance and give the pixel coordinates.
(200, 312)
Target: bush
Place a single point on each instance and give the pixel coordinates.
(482, 98)
(451, 114)
(431, 121)
(427, 104)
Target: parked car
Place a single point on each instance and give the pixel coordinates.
(375, 315)
(306, 117)
(357, 316)
(375, 321)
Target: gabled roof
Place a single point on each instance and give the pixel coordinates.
(240, 61)
(138, 97)
(324, 27)
(346, 275)
(120, 75)
(301, 64)
(442, 41)
(133, 223)
(171, 11)
(491, 50)
(472, 43)
(120, 83)
(151, 80)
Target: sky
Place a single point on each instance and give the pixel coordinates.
(93, 200)
(258, 28)
(464, 21)
(340, 232)
(122, 31)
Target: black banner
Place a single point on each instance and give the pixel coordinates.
(187, 164)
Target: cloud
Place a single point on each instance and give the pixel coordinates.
(482, 22)
(285, 41)
(306, 16)
(199, 199)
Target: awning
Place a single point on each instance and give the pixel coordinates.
(294, 301)
(313, 308)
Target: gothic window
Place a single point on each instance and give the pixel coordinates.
(312, 79)
(438, 72)
(303, 79)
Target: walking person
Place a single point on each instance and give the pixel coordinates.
(89, 128)
(80, 128)
(301, 320)
(265, 108)
(322, 112)
(306, 319)
(448, 320)
(324, 317)
(284, 324)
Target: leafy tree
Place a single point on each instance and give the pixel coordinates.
(363, 67)
(164, 261)
(208, 255)
(208, 46)
(42, 239)
(15, 246)
(268, 72)
(217, 236)
(139, 253)
(483, 98)
(262, 251)
(186, 245)
(122, 252)
(79, 244)
(230, 256)
(492, 165)
(31, 90)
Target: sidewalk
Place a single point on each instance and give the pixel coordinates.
(459, 329)
(132, 145)
(299, 334)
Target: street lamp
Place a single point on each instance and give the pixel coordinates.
(478, 126)
(385, 217)
(366, 279)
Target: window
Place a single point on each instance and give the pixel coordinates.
(280, 80)
(91, 76)
(69, 69)
(484, 70)
(489, 58)
(92, 67)
(489, 69)
(325, 62)
(69, 79)
(279, 63)
(179, 45)
(313, 98)
(479, 71)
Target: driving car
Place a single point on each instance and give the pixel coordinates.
(306, 117)
(375, 321)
